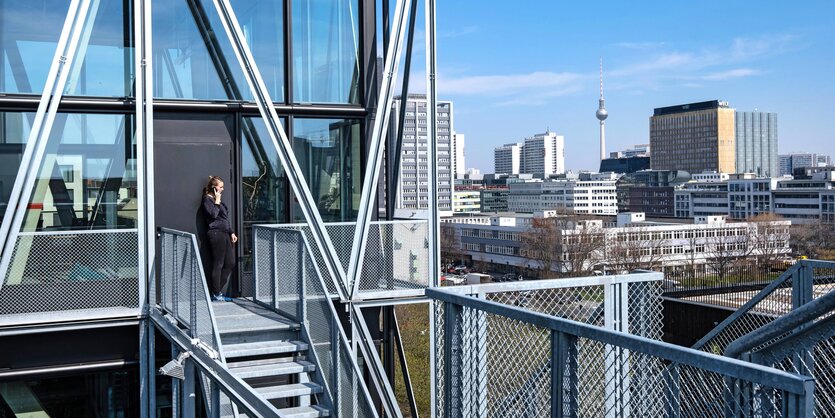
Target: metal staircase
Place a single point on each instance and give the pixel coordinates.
(264, 350)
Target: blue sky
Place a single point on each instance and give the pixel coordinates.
(515, 68)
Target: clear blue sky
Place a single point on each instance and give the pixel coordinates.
(515, 68)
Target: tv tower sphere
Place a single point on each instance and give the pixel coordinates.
(602, 114)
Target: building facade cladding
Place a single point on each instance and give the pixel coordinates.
(756, 143)
(594, 197)
(507, 159)
(459, 163)
(318, 68)
(750, 197)
(677, 244)
(625, 164)
(494, 199)
(412, 189)
(466, 201)
(804, 201)
(787, 163)
(694, 138)
(701, 199)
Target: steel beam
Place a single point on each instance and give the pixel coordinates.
(282, 144)
(375, 154)
(38, 138)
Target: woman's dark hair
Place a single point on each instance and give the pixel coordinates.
(213, 182)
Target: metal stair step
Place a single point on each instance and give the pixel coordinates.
(305, 412)
(251, 323)
(262, 348)
(289, 391)
(267, 370)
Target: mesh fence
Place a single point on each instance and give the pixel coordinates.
(51, 272)
(493, 365)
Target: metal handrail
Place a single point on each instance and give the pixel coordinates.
(340, 340)
(788, 323)
(550, 284)
(798, 385)
(748, 306)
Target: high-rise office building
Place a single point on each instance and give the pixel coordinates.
(788, 162)
(540, 154)
(412, 189)
(544, 154)
(756, 143)
(693, 137)
(458, 162)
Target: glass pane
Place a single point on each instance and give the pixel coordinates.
(329, 152)
(97, 152)
(325, 51)
(104, 64)
(14, 129)
(263, 26)
(193, 58)
(264, 187)
(29, 32)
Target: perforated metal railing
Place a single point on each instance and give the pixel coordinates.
(71, 275)
(395, 260)
(809, 349)
(292, 283)
(500, 360)
(630, 300)
(181, 292)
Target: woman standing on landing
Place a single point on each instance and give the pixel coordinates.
(221, 237)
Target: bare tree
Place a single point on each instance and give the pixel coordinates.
(564, 245)
(451, 251)
(725, 248)
(582, 247)
(635, 248)
(770, 239)
(541, 245)
(813, 240)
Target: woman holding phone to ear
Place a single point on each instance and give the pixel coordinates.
(221, 237)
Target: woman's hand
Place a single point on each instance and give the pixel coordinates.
(217, 197)
(234, 238)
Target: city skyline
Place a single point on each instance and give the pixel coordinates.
(765, 58)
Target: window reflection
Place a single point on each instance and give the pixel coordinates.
(14, 129)
(29, 35)
(193, 58)
(28, 38)
(87, 178)
(263, 25)
(329, 152)
(325, 51)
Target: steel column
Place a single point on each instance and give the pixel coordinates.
(282, 144)
(375, 154)
(432, 142)
(38, 138)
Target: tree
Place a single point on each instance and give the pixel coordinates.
(770, 239)
(451, 251)
(563, 245)
(813, 240)
(635, 248)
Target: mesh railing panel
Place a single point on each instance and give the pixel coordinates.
(396, 257)
(582, 303)
(598, 378)
(265, 265)
(54, 272)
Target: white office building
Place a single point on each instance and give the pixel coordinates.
(596, 196)
(542, 154)
(412, 189)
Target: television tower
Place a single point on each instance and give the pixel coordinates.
(602, 114)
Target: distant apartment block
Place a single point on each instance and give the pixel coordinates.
(756, 143)
(595, 196)
(466, 200)
(693, 137)
(650, 192)
(412, 189)
(542, 154)
(639, 150)
(788, 162)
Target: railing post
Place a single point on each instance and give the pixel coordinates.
(337, 393)
(802, 293)
(302, 252)
(563, 371)
(274, 281)
(215, 401)
(452, 360)
(800, 406)
(176, 386)
(189, 395)
(672, 390)
(255, 272)
(616, 361)
(175, 288)
(192, 298)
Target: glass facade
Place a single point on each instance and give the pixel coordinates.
(87, 179)
(325, 51)
(329, 152)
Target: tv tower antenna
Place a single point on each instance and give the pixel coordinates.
(602, 114)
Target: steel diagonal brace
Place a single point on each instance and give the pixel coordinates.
(33, 154)
(375, 155)
(282, 144)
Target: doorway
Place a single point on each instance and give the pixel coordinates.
(188, 148)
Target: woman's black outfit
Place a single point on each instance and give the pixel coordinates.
(220, 241)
